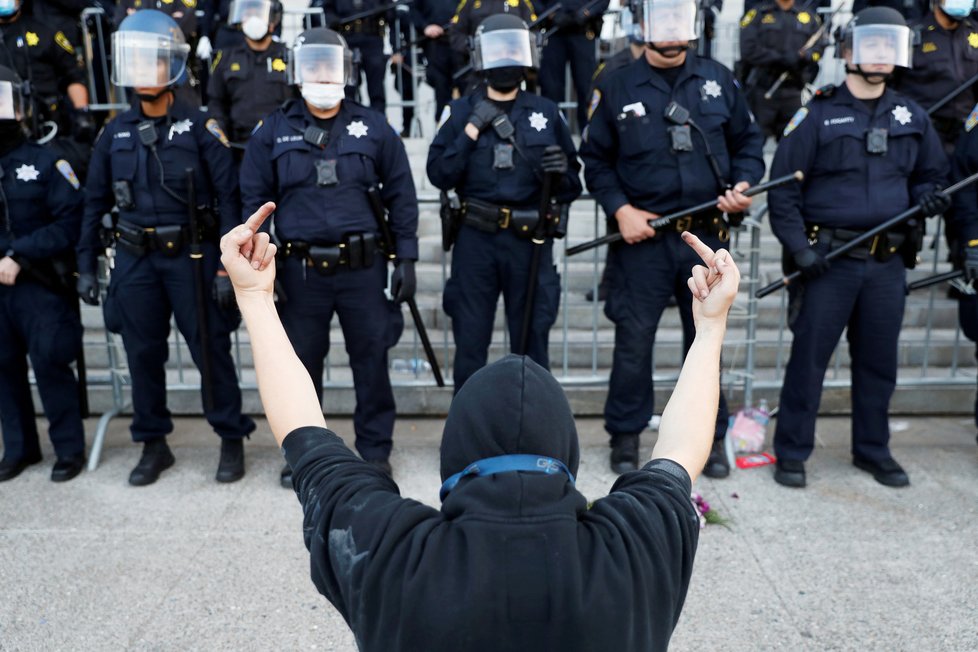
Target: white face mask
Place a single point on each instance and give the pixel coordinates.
(322, 96)
(255, 28)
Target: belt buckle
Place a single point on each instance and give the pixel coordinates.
(684, 223)
(506, 214)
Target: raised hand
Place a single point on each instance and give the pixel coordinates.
(249, 256)
(713, 284)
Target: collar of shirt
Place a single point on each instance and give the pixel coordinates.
(887, 101)
(642, 73)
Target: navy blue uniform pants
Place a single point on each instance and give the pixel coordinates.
(643, 277)
(373, 63)
(483, 265)
(866, 299)
(36, 322)
(968, 317)
(438, 73)
(578, 50)
(371, 325)
(143, 294)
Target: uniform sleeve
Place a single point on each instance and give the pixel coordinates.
(964, 218)
(449, 153)
(98, 201)
(257, 173)
(599, 151)
(796, 151)
(63, 58)
(220, 168)
(570, 188)
(752, 50)
(350, 512)
(931, 169)
(397, 191)
(652, 517)
(218, 100)
(745, 142)
(458, 33)
(64, 205)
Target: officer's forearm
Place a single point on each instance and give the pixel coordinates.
(689, 418)
(286, 390)
(78, 95)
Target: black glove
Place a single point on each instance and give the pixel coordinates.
(482, 114)
(810, 263)
(84, 126)
(735, 219)
(934, 202)
(87, 288)
(223, 293)
(403, 281)
(554, 160)
(970, 260)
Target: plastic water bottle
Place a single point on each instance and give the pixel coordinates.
(410, 366)
(762, 414)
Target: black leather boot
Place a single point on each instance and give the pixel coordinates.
(624, 453)
(10, 469)
(231, 467)
(716, 464)
(155, 459)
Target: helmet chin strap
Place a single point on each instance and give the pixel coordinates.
(670, 52)
(870, 77)
(147, 97)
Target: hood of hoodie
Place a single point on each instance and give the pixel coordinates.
(513, 406)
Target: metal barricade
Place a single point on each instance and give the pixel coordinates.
(104, 95)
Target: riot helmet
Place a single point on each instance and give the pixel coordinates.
(256, 18)
(877, 35)
(148, 51)
(666, 21)
(502, 49)
(321, 65)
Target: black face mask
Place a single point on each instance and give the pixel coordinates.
(11, 135)
(150, 97)
(505, 79)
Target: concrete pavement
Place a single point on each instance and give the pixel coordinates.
(187, 564)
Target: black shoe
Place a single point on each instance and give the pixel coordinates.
(624, 453)
(10, 469)
(716, 464)
(156, 458)
(231, 466)
(886, 472)
(67, 468)
(789, 473)
(382, 465)
(285, 478)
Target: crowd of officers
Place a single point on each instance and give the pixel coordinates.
(666, 128)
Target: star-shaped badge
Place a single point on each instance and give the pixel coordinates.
(902, 115)
(711, 88)
(27, 173)
(181, 127)
(538, 121)
(357, 129)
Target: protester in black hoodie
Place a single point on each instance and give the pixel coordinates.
(515, 559)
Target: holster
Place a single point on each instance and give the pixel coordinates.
(131, 238)
(451, 218)
(169, 240)
(913, 242)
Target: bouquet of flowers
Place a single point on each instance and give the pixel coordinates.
(707, 514)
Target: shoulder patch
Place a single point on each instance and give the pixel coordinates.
(64, 43)
(972, 120)
(215, 130)
(446, 113)
(595, 101)
(796, 120)
(189, 4)
(64, 167)
(748, 18)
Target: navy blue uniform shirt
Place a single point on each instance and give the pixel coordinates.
(41, 217)
(845, 186)
(627, 152)
(456, 161)
(280, 166)
(182, 141)
(964, 218)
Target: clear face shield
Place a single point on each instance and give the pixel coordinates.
(882, 44)
(504, 48)
(242, 10)
(667, 21)
(11, 101)
(320, 64)
(146, 60)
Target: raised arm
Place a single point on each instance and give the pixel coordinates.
(287, 392)
(689, 419)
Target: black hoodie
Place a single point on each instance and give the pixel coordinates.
(514, 561)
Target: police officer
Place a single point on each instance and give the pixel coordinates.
(773, 39)
(182, 11)
(469, 15)
(250, 80)
(962, 230)
(436, 17)
(45, 59)
(317, 159)
(644, 158)
(40, 205)
(868, 154)
(140, 166)
(495, 148)
(571, 41)
(364, 35)
(945, 55)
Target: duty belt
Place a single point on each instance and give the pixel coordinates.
(881, 247)
(356, 252)
(491, 217)
(138, 240)
(711, 221)
(364, 26)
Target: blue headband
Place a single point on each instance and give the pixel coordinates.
(507, 464)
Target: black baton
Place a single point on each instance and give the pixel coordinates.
(200, 295)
